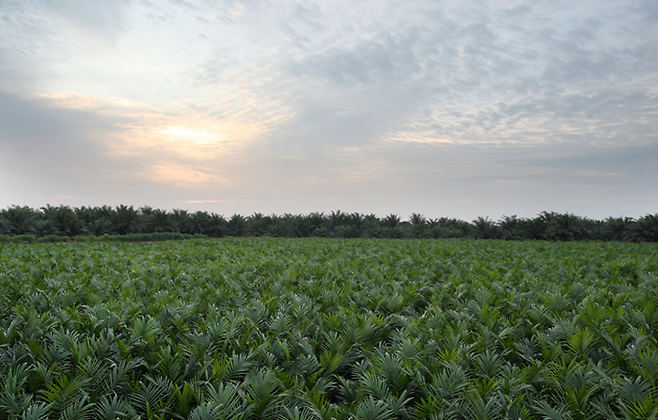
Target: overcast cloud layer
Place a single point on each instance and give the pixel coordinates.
(446, 108)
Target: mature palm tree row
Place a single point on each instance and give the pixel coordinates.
(122, 220)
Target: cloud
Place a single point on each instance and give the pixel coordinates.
(55, 146)
(75, 100)
(464, 77)
(68, 141)
(226, 200)
(180, 176)
(334, 104)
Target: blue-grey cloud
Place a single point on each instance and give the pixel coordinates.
(57, 151)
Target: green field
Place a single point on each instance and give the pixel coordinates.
(267, 328)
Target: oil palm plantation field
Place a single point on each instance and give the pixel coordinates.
(315, 328)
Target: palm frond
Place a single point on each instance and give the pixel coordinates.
(206, 411)
(488, 364)
(645, 408)
(550, 413)
(111, 408)
(63, 393)
(261, 389)
(231, 369)
(477, 409)
(296, 414)
(36, 411)
(374, 386)
(77, 410)
(227, 398)
(373, 409)
(154, 394)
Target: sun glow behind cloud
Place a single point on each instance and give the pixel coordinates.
(175, 133)
(179, 175)
(190, 149)
(182, 142)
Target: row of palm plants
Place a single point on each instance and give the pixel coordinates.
(123, 220)
(317, 329)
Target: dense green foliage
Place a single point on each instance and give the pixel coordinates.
(275, 328)
(129, 237)
(123, 220)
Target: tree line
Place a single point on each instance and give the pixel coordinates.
(126, 220)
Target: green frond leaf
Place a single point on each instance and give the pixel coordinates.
(550, 413)
(36, 411)
(372, 409)
(77, 410)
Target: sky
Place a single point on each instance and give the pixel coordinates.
(443, 108)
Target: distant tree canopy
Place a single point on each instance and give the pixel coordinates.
(52, 221)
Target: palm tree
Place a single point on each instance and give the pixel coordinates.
(101, 226)
(145, 211)
(534, 228)
(64, 220)
(216, 225)
(47, 227)
(350, 226)
(483, 228)
(447, 228)
(371, 225)
(102, 221)
(613, 228)
(126, 220)
(85, 216)
(336, 218)
(180, 219)
(460, 227)
(18, 220)
(158, 221)
(512, 228)
(418, 225)
(286, 226)
(391, 226)
(298, 226)
(277, 227)
(237, 225)
(258, 224)
(5, 226)
(316, 221)
(565, 227)
(356, 219)
(347, 231)
(391, 221)
(645, 229)
(199, 222)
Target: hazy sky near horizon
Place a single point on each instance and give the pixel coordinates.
(445, 108)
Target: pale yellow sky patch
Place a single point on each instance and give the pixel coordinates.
(349, 149)
(75, 100)
(176, 133)
(179, 175)
(189, 137)
(416, 138)
(147, 129)
(152, 130)
(226, 200)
